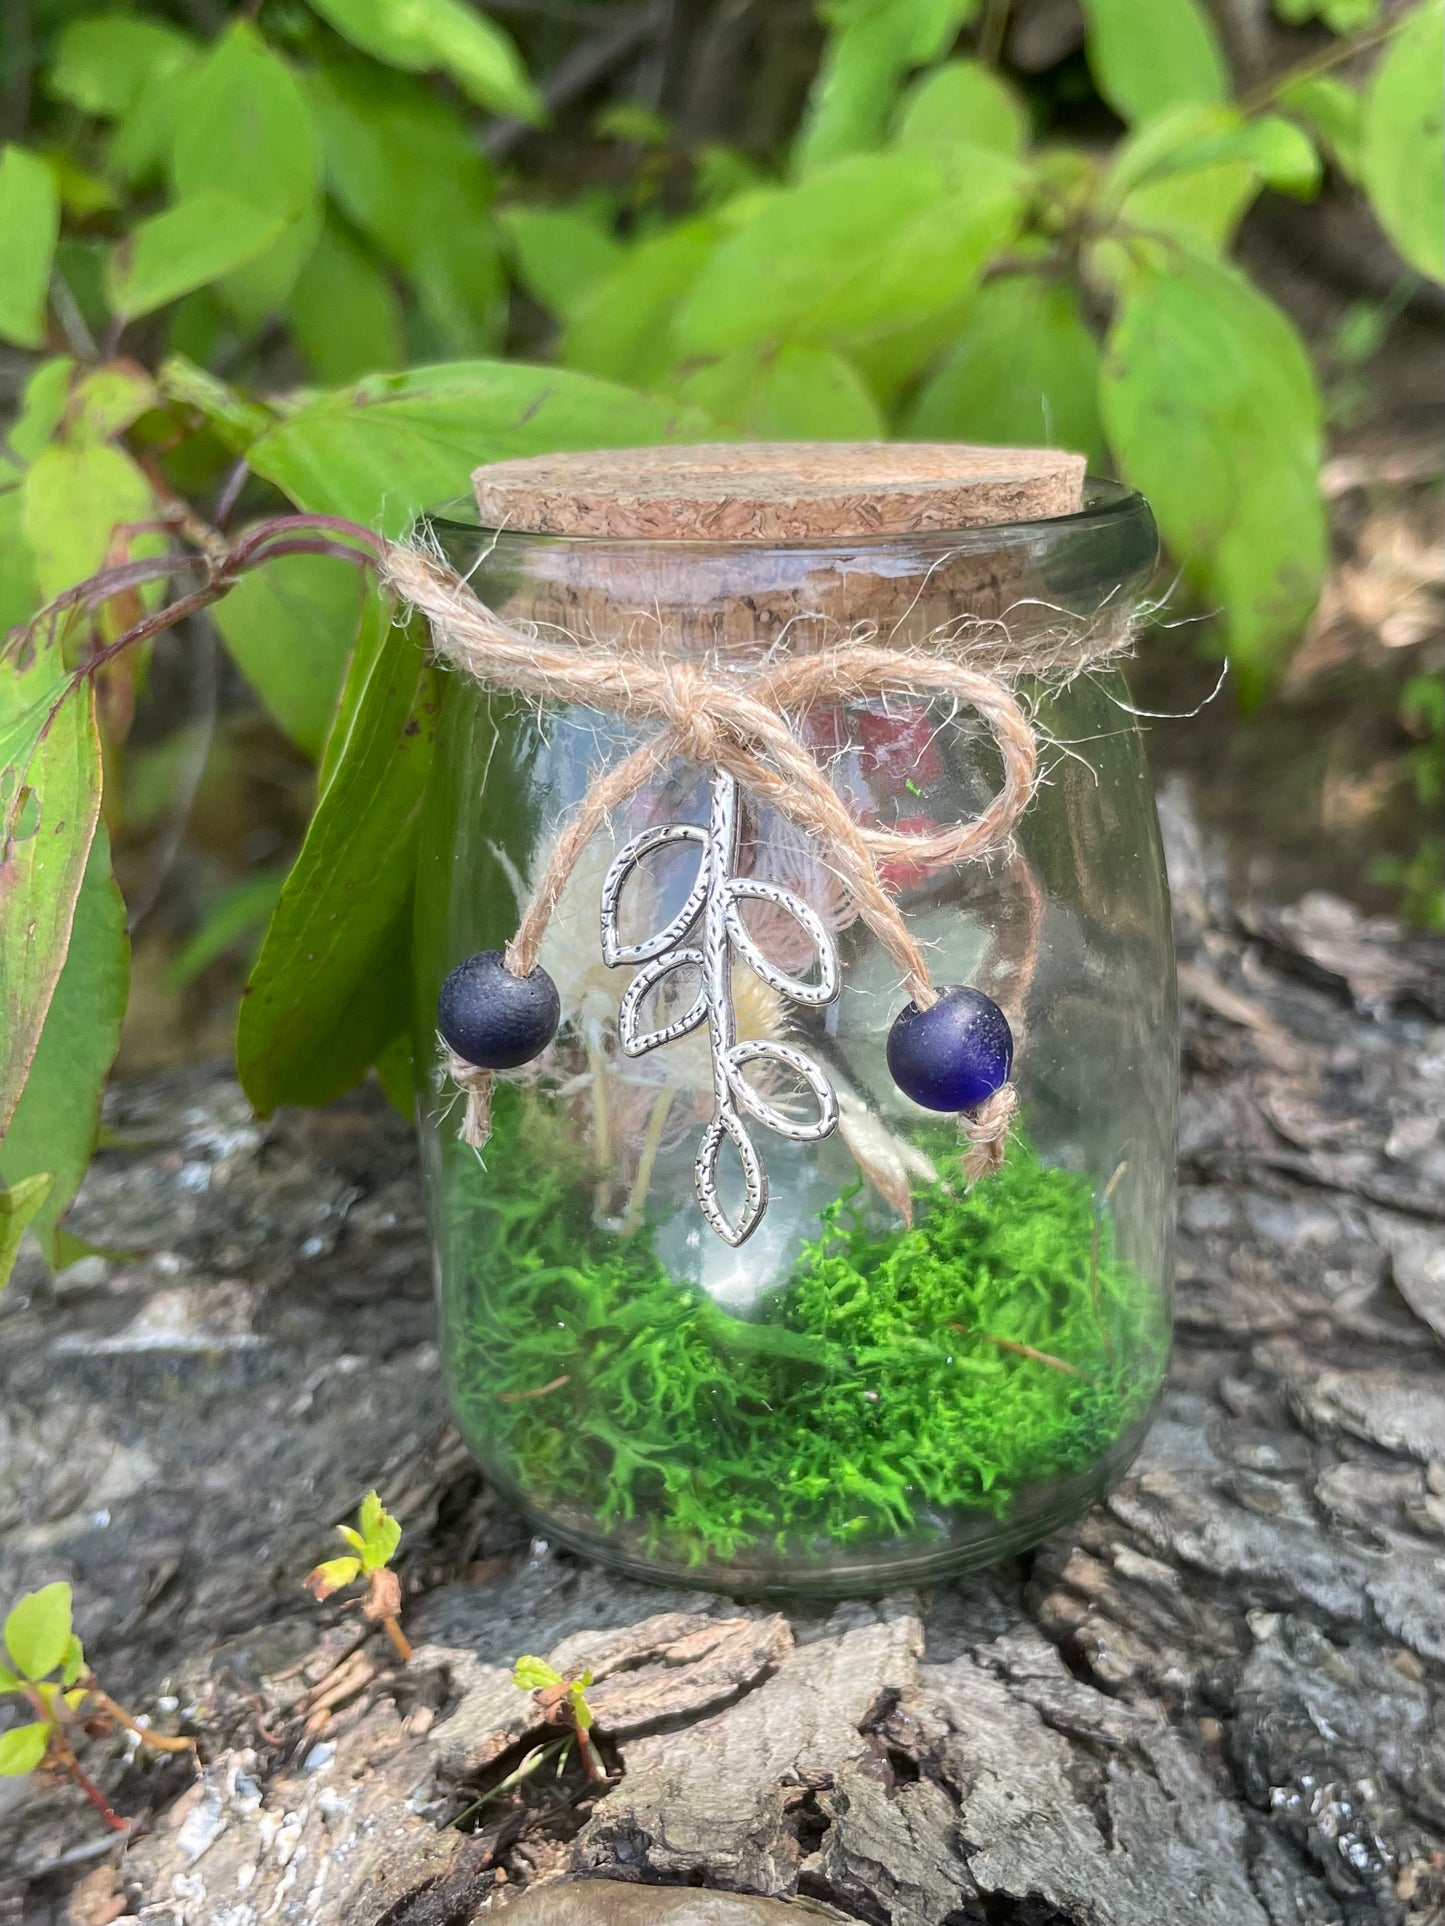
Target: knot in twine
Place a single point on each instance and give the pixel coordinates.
(737, 721)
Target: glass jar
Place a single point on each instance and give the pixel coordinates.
(895, 1376)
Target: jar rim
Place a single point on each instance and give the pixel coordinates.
(1107, 505)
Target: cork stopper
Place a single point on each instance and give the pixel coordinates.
(804, 491)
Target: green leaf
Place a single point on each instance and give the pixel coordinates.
(870, 244)
(101, 64)
(140, 148)
(42, 406)
(1188, 139)
(201, 239)
(22, 1748)
(1147, 58)
(1283, 156)
(29, 228)
(105, 401)
(391, 147)
(38, 1631)
(1024, 370)
(963, 102)
(560, 256)
(345, 313)
(395, 444)
(331, 1575)
(322, 997)
(582, 1716)
(621, 328)
(73, 1663)
(1403, 147)
(244, 129)
(1332, 112)
(9, 1681)
(237, 914)
(441, 36)
(1210, 404)
(872, 46)
(49, 803)
(534, 1675)
(352, 1537)
(18, 1204)
(75, 499)
(797, 393)
(1192, 171)
(290, 627)
(380, 1533)
(55, 1122)
(237, 421)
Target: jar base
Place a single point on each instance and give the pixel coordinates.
(873, 1571)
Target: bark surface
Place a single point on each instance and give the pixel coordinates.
(1217, 1701)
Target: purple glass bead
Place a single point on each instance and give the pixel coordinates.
(493, 1019)
(954, 1055)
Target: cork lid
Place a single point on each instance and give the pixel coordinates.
(778, 491)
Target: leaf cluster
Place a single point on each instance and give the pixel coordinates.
(373, 1540)
(46, 1663)
(536, 1675)
(305, 200)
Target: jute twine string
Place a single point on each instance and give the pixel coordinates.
(738, 721)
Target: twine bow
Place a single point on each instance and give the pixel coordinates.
(737, 722)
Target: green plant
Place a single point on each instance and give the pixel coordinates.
(562, 1701)
(895, 1378)
(373, 1541)
(51, 1675)
(302, 202)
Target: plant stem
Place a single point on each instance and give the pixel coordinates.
(88, 1786)
(601, 1123)
(1021, 1350)
(1321, 63)
(1094, 1241)
(398, 1637)
(538, 1391)
(591, 1764)
(991, 32)
(158, 1741)
(642, 1183)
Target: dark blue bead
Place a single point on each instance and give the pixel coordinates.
(954, 1055)
(494, 1019)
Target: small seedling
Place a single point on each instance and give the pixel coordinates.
(374, 1541)
(50, 1673)
(562, 1702)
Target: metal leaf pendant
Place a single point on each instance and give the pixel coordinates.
(706, 935)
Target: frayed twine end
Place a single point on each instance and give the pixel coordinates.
(476, 1086)
(988, 1130)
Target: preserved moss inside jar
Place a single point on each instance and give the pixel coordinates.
(895, 1374)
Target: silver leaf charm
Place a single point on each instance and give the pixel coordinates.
(705, 935)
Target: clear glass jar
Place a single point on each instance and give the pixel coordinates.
(894, 1377)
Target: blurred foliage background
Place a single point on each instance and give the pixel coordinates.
(328, 256)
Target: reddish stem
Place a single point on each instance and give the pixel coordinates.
(398, 1637)
(591, 1764)
(91, 1790)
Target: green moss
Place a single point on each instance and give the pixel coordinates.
(888, 1383)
